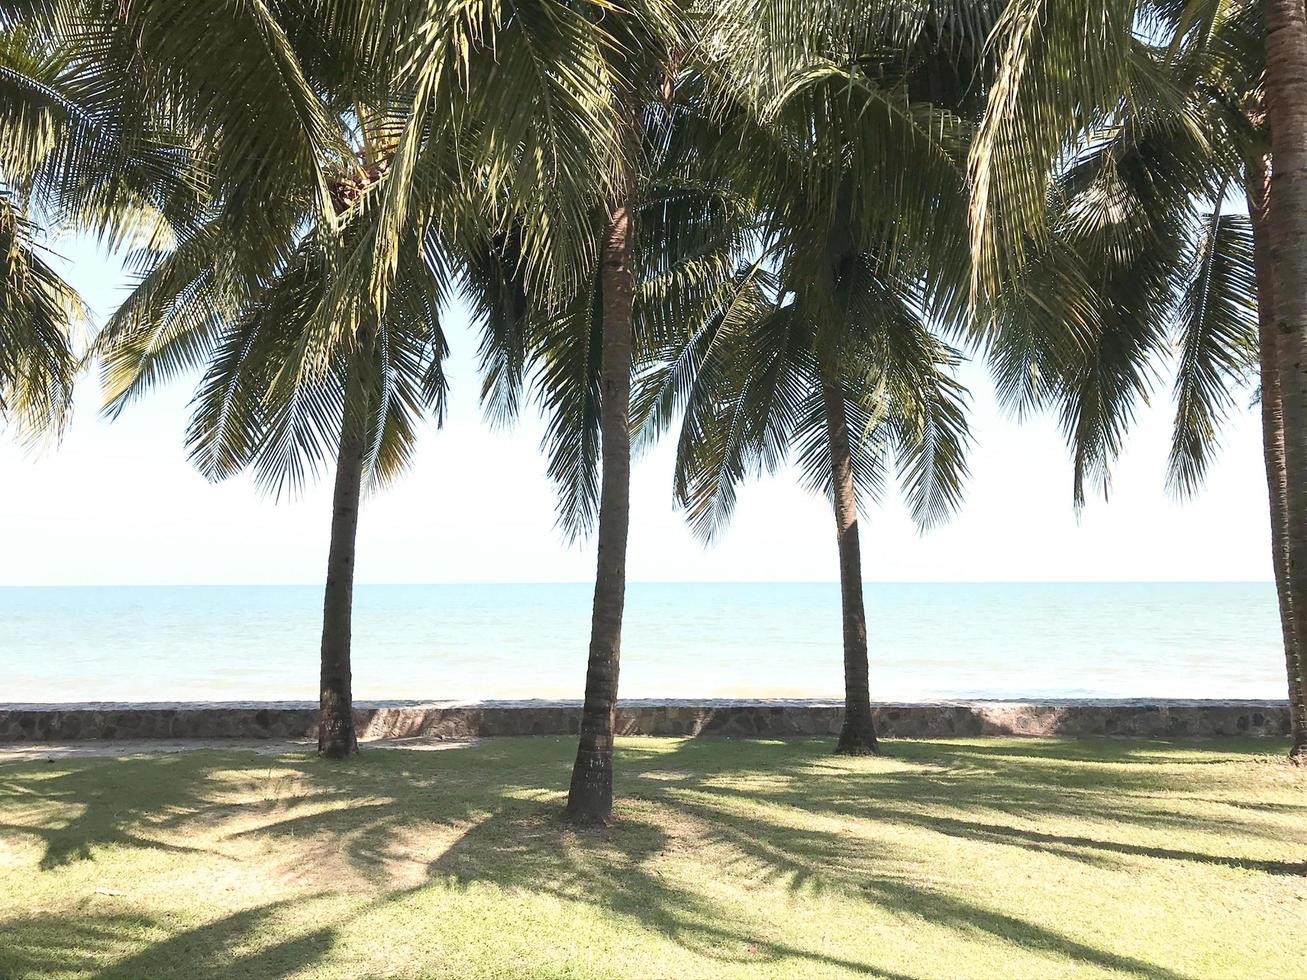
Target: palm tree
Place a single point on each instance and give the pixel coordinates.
(342, 158)
(856, 132)
(1192, 69)
(547, 100)
(1258, 193)
(260, 406)
(1286, 220)
(774, 376)
(550, 95)
(677, 242)
(650, 38)
(256, 407)
(276, 158)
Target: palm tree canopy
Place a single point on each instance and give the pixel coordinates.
(71, 158)
(343, 178)
(1139, 263)
(855, 176)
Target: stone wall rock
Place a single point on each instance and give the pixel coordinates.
(738, 718)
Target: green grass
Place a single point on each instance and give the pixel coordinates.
(961, 858)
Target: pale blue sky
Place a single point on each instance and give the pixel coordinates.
(118, 504)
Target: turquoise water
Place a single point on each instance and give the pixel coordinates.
(681, 640)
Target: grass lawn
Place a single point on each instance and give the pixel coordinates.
(982, 858)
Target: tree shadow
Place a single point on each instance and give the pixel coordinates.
(108, 802)
(532, 848)
(1040, 783)
(613, 870)
(965, 789)
(78, 945)
(1064, 845)
(494, 811)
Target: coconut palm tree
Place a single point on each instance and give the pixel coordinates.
(273, 172)
(547, 100)
(848, 397)
(1161, 126)
(824, 352)
(221, 93)
(1258, 192)
(552, 94)
(687, 233)
(1286, 223)
(273, 400)
(257, 408)
(342, 147)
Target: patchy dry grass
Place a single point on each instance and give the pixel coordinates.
(959, 858)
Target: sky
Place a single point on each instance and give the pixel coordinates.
(118, 504)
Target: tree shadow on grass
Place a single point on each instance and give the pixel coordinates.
(1085, 848)
(1038, 784)
(957, 796)
(500, 803)
(232, 946)
(614, 869)
(98, 803)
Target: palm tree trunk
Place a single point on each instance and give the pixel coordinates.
(590, 800)
(336, 736)
(858, 736)
(1258, 194)
(1286, 104)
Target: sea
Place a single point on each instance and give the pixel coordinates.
(682, 640)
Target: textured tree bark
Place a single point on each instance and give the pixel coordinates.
(858, 736)
(590, 800)
(336, 736)
(1258, 193)
(1286, 110)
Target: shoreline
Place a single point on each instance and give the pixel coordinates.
(739, 717)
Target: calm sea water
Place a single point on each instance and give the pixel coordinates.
(681, 640)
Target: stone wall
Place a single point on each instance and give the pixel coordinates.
(754, 718)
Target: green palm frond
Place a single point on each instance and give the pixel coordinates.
(746, 405)
(1063, 68)
(39, 313)
(925, 418)
(566, 385)
(1124, 250)
(680, 366)
(517, 105)
(869, 446)
(170, 320)
(242, 88)
(1044, 322)
(256, 409)
(82, 151)
(1218, 344)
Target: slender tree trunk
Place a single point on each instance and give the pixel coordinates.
(1286, 105)
(1258, 194)
(336, 736)
(858, 736)
(590, 800)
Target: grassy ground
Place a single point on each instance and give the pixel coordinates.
(960, 858)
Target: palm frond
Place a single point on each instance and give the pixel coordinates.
(1218, 345)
